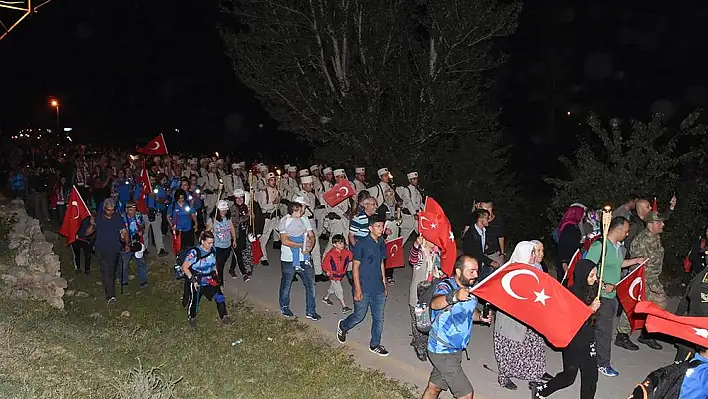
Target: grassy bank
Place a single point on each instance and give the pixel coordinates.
(88, 350)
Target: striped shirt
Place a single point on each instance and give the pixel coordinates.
(359, 226)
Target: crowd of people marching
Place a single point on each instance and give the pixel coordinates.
(118, 205)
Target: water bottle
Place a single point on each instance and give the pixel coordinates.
(422, 318)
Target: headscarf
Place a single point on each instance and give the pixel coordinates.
(580, 286)
(522, 252)
(535, 243)
(573, 215)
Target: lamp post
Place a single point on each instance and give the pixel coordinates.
(55, 103)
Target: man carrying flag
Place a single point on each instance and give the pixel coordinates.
(77, 227)
(435, 227)
(630, 290)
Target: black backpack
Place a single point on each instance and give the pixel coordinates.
(665, 382)
(180, 258)
(426, 290)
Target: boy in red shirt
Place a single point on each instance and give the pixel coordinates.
(334, 265)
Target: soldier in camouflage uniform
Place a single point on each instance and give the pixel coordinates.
(647, 244)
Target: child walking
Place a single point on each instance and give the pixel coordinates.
(334, 265)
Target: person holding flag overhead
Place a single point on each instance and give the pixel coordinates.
(78, 226)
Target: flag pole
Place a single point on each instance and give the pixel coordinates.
(606, 219)
(250, 199)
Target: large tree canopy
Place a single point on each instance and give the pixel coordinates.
(395, 83)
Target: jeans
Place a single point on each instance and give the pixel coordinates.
(141, 266)
(377, 302)
(308, 279)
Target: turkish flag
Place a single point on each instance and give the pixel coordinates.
(571, 267)
(256, 251)
(536, 299)
(655, 206)
(691, 329)
(630, 290)
(339, 192)
(394, 253)
(146, 189)
(155, 146)
(435, 227)
(76, 212)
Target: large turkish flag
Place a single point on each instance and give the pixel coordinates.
(155, 146)
(630, 290)
(435, 227)
(145, 190)
(76, 212)
(691, 329)
(536, 299)
(394, 253)
(339, 192)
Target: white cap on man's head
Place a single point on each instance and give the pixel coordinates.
(212, 165)
(412, 175)
(314, 167)
(263, 168)
(359, 170)
(303, 172)
(326, 170)
(270, 175)
(239, 193)
(223, 205)
(301, 200)
(242, 164)
(382, 172)
(307, 179)
(339, 172)
(286, 166)
(292, 168)
(234, 166)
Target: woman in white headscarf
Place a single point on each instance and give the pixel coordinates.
(519, 350)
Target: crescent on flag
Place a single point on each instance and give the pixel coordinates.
(422, 225)
(506, 282)
(394, 250)
(78, 211)
(156, 147)
(345, 193)
(637, 281)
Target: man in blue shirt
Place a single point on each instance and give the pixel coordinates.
(454, 309)
(111, 235)
(695, 383)
(135, 225)
(157, 207)
(369, 286)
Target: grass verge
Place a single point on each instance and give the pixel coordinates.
(142, 348)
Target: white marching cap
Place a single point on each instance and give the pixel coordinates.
(314, 167)
(234, 166)
(239, 193)
(382, 171)
(270, 175)
(339, 172)
(359, 170)
(412, 175)
(263, 168)
(326, 170)
(301, 200)
(307, 179)
(242, 164)
(292, 169)
(212, 165)
(223, 205)
(303, 172)
(286, 166)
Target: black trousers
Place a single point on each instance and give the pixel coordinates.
(209, 292)
(108, 262)
(222, 255)
(578, 355)
(604, 327)
(86, 247)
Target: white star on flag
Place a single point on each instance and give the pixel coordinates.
(701, 332)
(541, 296)
(452, 236)
(433, 225)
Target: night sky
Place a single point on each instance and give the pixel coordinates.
(126, 70)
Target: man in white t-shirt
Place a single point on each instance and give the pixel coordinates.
(302, 246)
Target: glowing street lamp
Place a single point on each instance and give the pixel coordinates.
(55, 103)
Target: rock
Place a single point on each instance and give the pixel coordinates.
(125, 313)
(131, 277)
(81, 294)
(95, 315)
(50, 236)
(69, 293)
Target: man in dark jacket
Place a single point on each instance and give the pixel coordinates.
(475, 243)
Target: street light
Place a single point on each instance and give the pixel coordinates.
(55, 103)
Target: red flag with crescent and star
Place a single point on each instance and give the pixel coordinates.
(394, 253)
(630, 291)
(571, 267)
(687, 328)
(339, 192)
(155, 146)
(76, 212)
(435, 227)
(145, 190)
(537, 300)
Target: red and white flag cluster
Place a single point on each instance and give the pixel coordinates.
(435, 227)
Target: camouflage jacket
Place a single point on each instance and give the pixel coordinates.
(645, 245)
